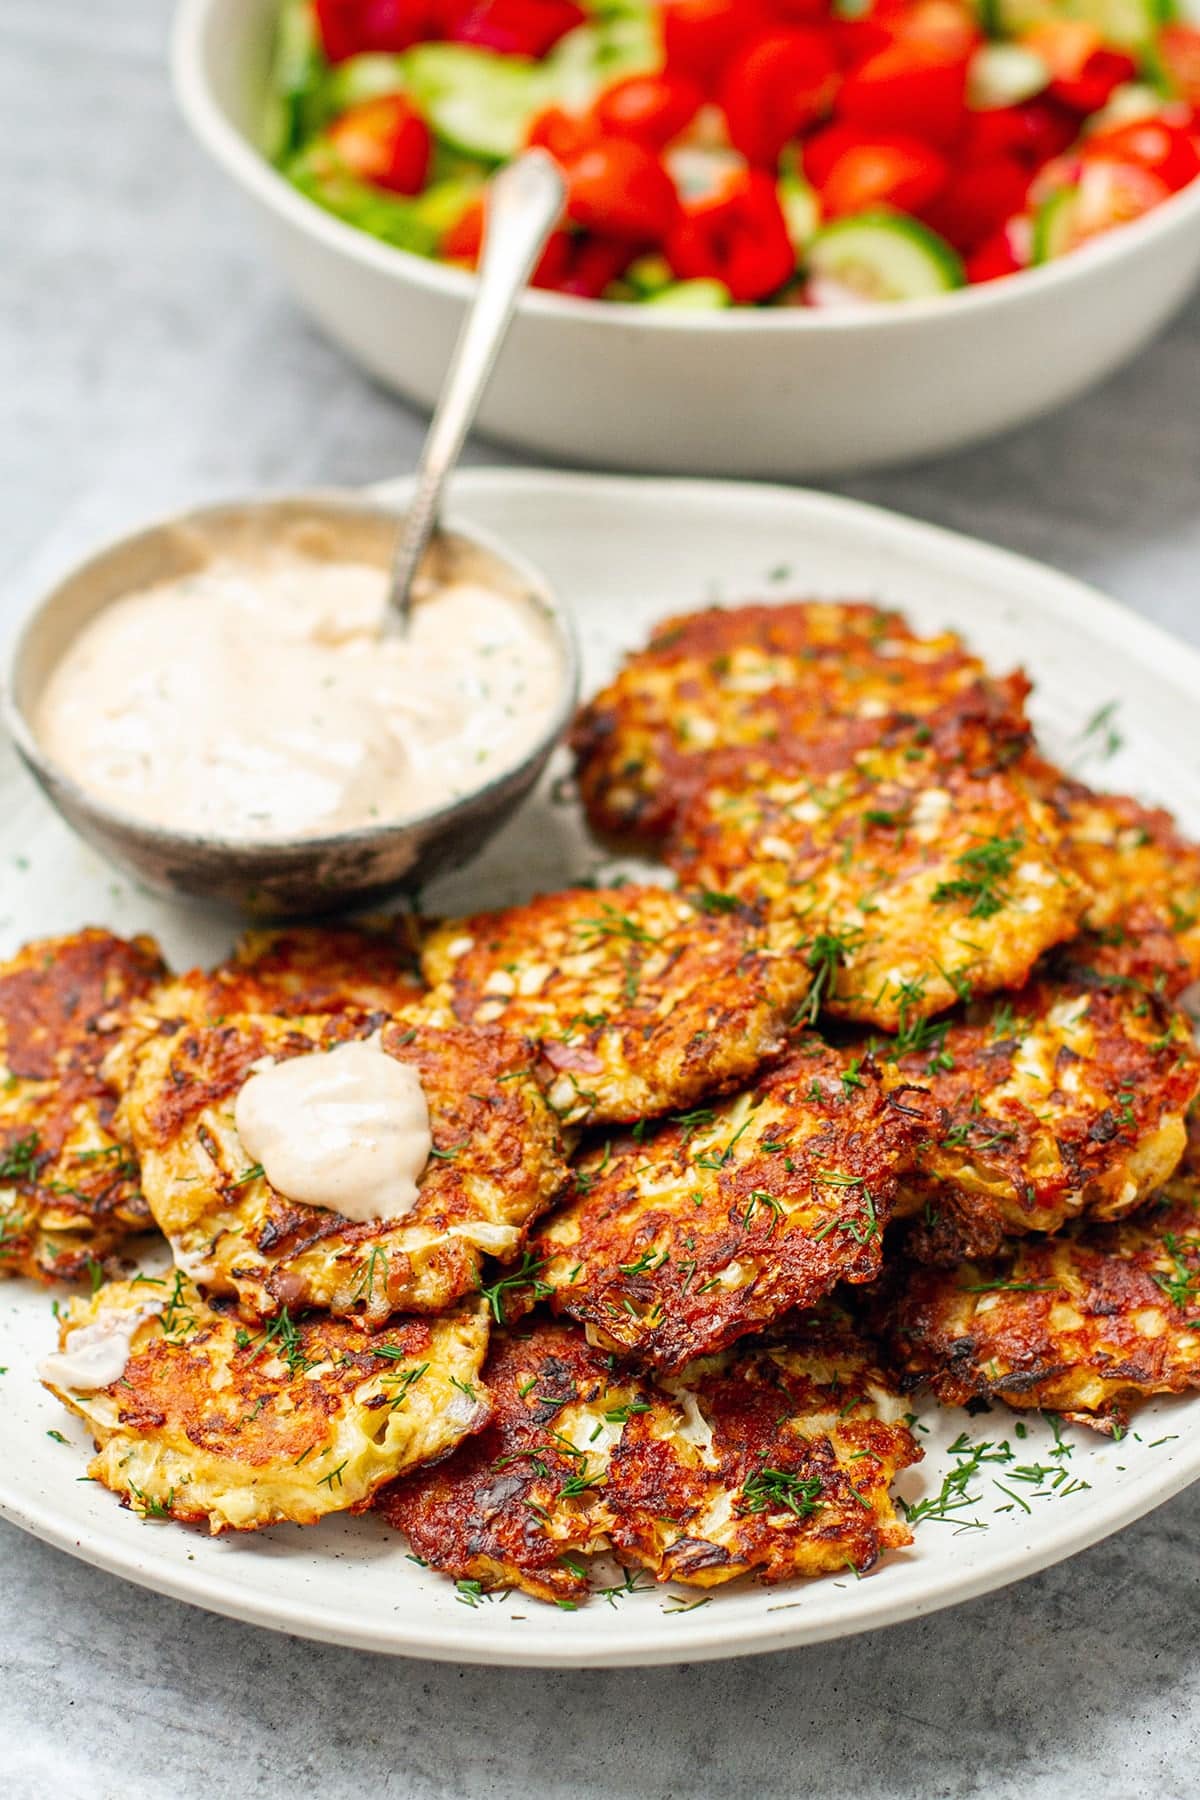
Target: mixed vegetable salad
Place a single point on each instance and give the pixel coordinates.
(745, 152)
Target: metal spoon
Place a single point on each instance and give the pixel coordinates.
(525, 203)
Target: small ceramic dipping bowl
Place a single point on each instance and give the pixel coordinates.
(309, 875)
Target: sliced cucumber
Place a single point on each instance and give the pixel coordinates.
(801, 209)
(477, 102)
(1004, 75)
(294, 105)
(693, 296)
(363, 78)
(1056, 225)
(1131, 101)
(883, 256)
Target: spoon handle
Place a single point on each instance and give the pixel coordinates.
(524, 204)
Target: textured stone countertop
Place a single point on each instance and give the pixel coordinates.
(149, 357)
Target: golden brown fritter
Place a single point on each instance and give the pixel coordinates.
(1067, 1097)
(70, 1194)
(212, 1422)
(772, 1457)
(496, 1165)
(1085, 1324)
(302, 969)
(776, 1457)
(640, 1000)
(723, 1220)
(1143, 873)
(790, 674)
(921, 867)
(523, 1502)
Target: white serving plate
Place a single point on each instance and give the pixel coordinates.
(783, 392)
(624, 553)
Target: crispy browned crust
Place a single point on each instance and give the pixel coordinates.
(920, 867)
(774, 1457)
(70, 1193)
(1143, 873)
(1065, 1098)
(213, 1423)
(640, 1000)
(790, 674)
(496, 1165)
(717, 1224)
(522, 1503)
(789, 1473)
(1085, 1324)
(302, 970)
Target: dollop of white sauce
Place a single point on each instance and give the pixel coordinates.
(346, 1130)
(96, 1355)
(258, 699)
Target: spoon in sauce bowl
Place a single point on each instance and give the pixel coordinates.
(284, 705)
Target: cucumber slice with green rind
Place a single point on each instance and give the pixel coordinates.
(363, 78)
(801, 210)
(1055, 225)
(884, 256)
(294, 108)
(477, 102)
(692, 296)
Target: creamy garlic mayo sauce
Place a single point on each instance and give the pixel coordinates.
(255, 696)
(96, 1355)
(345, 1129)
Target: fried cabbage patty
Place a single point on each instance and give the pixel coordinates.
(302, 969)
(1085, 1324)
(213, 1422)
(787, 674)
(914, 870)
(721, 1221)
(522, 1503)
(496, 1164)
(640, 1000)
(773, 1457)
(1067, 1097)
(70, 1193)
(1142, 872)
(776, 1457)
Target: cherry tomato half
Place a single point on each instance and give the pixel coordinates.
(385, 141)
(564, 134)
(619, 189)
(651, 108)
(738, 236)
(776, 87)
(1166, 151)
(880, 171)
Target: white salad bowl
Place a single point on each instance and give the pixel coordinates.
(790, 392)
